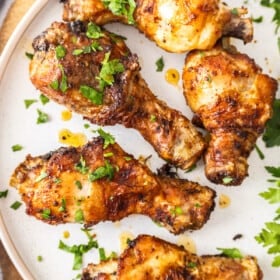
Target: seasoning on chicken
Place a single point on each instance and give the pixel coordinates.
(233, 99)
(148, 257)
(92, 72)
(96, 183)
(174, 25)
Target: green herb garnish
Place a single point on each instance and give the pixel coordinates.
(260, 153)
(102, 172)
(46, 213)
(3, 194)
(16, 205)
(60, 52)
(176, 211)
(270, 235)
(227, 180)
(122, 8)
(271, 136)
(44, 99)
(42, 117)
(29, 102)
(79, 216)
(78, 251)
(153, 118)
(92, 94)
(108, 70)
(102, 255)
(107, 137)
(29, 55)
(39, 258)
(16, 148)
(258, 19)
(94, 31)
(160, 64)
(81, 166)
(79, 184)
(62, 208)
(233, 253)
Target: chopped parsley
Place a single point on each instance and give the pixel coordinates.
(16, 205)
(260, 153)
(124, 8)
(16, 148)
(42, 117)
(160, 64)
(108, 70)
(92, 94)
(79, 216)
(3, 194)
(29, 102)
(103, 171)
(81, 166)
(94, 31)
(107, 137)
(79, 184)
(233, 253)
(39, 258)
(271, 136)
(63, 86)
(41, 177)
(95, 46)
(258, 19)
(44, 99)
(110, 154)
(153, 118)
(62, 208)
(102, 254)
(29, 55)
(176, 211)
(60, 52)
(274, 4)
(270, 235)
(46, 213)
(78, 250)
(227, 180)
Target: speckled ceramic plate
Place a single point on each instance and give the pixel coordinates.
(25, 238)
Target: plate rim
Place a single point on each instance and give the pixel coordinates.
(7, 52)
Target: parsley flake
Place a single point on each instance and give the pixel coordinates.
(81, 166)
(16, 148)
(233, 253)
(29, 102)
(3, 194)
(160, 64)
(94, 31)
(42, 117)
(16, 205)
(108, 138)
(92, 94)
(103, 171)
(60, 52)
(44, 99)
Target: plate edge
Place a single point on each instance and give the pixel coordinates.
(4, 60)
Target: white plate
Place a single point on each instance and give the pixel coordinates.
(26, 238)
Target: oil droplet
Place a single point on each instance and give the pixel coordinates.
(72, 139)
(172, 76)
(66, 234)
(124, 238)
(187, 243)
(66, 115)
(224, 201)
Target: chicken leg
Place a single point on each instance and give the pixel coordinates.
(174, 25)
(92, 72)
(233, 99)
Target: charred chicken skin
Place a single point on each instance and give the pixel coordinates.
(92, 72)
(174, 25)
(95, 183)
(233, 99)
(148, 257)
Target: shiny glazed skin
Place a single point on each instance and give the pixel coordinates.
(131, 189)
(128, 101)
(174, 25)
(148, 257)
(233, 100)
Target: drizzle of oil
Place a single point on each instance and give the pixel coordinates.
(224, 201)
(124, 237)
(172, 76)
(66, 115)
(66, 234)
(187, 243)
(72, 139)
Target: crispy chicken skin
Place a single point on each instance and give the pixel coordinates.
(148, 257)
(174, 25)
(233, 99)
(127, 100)
(86, 182)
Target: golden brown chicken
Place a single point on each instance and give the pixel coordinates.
(233, 99)
(96, 183)
(92, 72)
(150, 258)
(175, 25)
